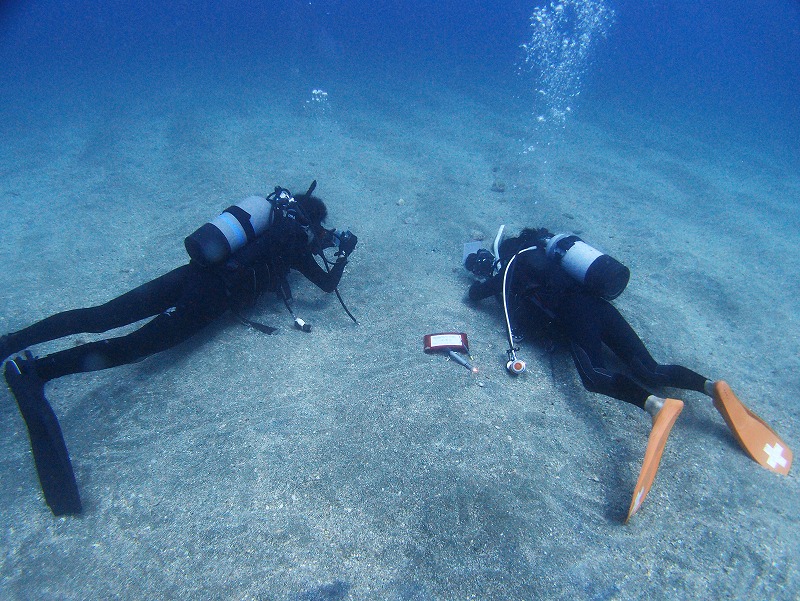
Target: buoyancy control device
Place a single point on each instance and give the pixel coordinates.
(596, 272)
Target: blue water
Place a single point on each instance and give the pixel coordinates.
(733, 60)
(709, 59)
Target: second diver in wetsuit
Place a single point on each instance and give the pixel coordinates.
(560, 283)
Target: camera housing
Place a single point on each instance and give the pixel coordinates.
(346, 241)
(480, 263)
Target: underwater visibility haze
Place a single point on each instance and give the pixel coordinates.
(345, 462)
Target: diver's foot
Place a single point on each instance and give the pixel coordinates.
(662, 425)
(47, 442)
(23, 380)
(752, 433)
(653, 405)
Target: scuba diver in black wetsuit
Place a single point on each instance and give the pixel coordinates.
(248, 250)
(561, 284)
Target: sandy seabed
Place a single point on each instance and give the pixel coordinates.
(348, 464)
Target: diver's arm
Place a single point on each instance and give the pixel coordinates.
(326, 280)
(491, 287)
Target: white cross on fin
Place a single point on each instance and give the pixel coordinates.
(775, 455)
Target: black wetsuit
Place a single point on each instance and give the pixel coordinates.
(541, 295)
(183, 301)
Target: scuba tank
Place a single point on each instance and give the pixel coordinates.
(216, 240)
(598, 273)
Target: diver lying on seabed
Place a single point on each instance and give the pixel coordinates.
(247, 250)
(560, 283)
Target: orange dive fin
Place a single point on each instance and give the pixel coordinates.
(753, 434)
(662, 425)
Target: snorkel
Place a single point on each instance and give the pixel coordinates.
(497, 240)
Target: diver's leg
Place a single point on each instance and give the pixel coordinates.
(752, 433)
(582, 318)
(664, 413)
(597, 378)
(203, 301)
(144, 301)
(589, 319)
(620, 337)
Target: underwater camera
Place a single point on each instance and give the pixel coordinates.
(480, 263)
(345, 241)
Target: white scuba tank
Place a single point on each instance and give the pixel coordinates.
(216, 240)
(597, 272)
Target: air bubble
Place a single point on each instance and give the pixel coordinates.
(563, 38)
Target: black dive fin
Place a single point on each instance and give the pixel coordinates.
(47, 442)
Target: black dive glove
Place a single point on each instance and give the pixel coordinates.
(475, 291)
(347, 242)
